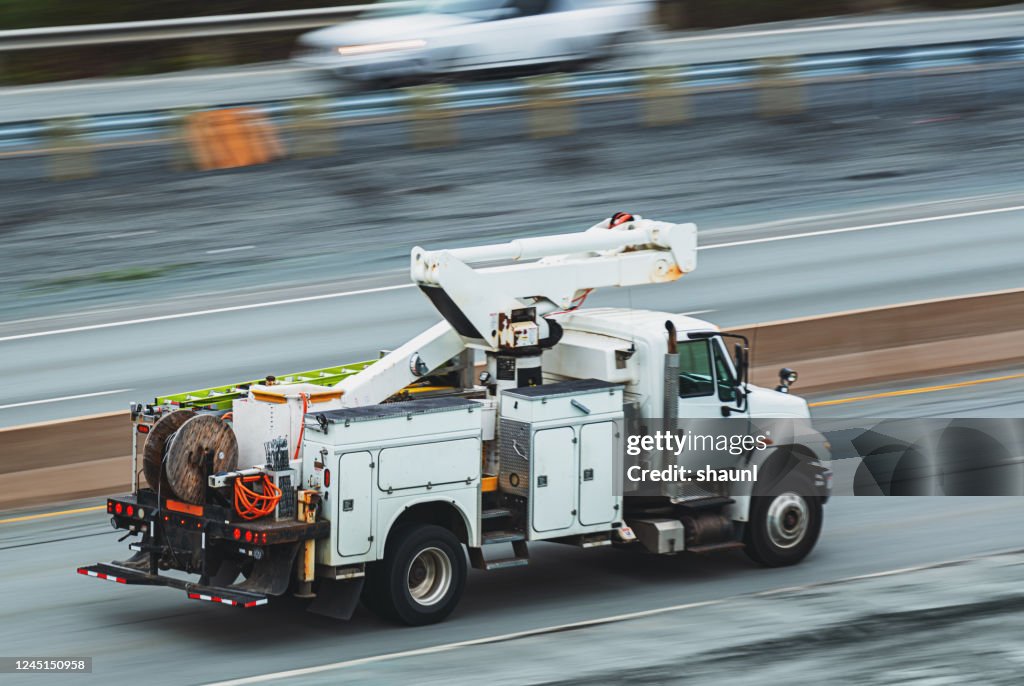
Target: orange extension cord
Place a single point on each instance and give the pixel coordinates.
(252, 505)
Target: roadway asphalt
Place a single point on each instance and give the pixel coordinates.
(142, 241)
(162, 636)
(282, 80)
(734, 284)
(158, 633)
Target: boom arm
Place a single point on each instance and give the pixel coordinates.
(503, 307)
(480, 303)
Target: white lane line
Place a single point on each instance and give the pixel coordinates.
(365, 291)
(65, 397)
(127, 234)
(862, 227)
(447, 647)
(235, 249)
(199, 313)
(957, 19)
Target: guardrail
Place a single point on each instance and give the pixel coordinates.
(169, 29)
(582, 87)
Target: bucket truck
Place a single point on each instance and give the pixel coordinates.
(507, 424)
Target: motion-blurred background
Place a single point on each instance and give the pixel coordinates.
(199, 193)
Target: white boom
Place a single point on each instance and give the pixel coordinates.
(480, 304)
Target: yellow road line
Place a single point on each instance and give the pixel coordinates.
(43, 515)
(915, 391)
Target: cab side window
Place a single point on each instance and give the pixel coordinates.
(528, 8)
(695, 376)
(723, 375)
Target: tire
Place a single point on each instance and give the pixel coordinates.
(784, 526)
(421, 578)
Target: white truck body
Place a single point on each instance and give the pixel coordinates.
(400, 464)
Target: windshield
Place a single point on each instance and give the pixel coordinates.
(435, 7)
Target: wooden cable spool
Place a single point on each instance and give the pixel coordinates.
(203, 445)
(156, 445)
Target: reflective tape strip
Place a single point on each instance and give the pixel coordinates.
(101, 575)
(226, 601)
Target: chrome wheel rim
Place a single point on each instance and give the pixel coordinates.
(429, 576)
(788, 517)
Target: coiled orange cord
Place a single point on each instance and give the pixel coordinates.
(252, 505)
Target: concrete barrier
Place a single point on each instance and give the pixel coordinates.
(89, 455)
(900, 341)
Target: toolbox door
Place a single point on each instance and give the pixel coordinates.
(354, 477)
(553, 474)
(597, 465)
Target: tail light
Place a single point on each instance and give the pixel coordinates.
(237, 533)
(130, 510)
(118, 508)
(248, 537)
(327, 478)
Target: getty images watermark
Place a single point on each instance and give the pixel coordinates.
(678, 443)
(842, 457)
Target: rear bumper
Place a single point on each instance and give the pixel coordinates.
(208, 542)
(225, 595)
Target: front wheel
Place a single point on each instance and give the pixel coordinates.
(422, 576)
(784, 526)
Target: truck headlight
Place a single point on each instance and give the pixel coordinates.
(349, 50)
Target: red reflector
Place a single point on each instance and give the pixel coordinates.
(327, 478)
(142, 428)
(184, 508)
(110, 506)
(118, 508)
(237, 533)
(264, 536)
(248, 537)
(130, 511)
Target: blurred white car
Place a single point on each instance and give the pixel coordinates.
(448, 36)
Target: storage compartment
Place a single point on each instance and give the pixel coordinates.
(433, 464)
(554, 479)
(354, 502)
(560, 449)
(370, 461)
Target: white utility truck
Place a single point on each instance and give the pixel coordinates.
(373, 480)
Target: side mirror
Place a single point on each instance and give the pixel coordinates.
(787, 377)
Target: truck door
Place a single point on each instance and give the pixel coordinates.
(698, 392)
(553, 490)
(597, 465)
(354, 514)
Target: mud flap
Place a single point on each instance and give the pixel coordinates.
(337, 599)
(227, 573)
(273, 573)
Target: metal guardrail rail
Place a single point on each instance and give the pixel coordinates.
(579, 87)
(188, 27)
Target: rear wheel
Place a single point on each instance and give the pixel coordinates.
(422, 576)
(784, 526)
